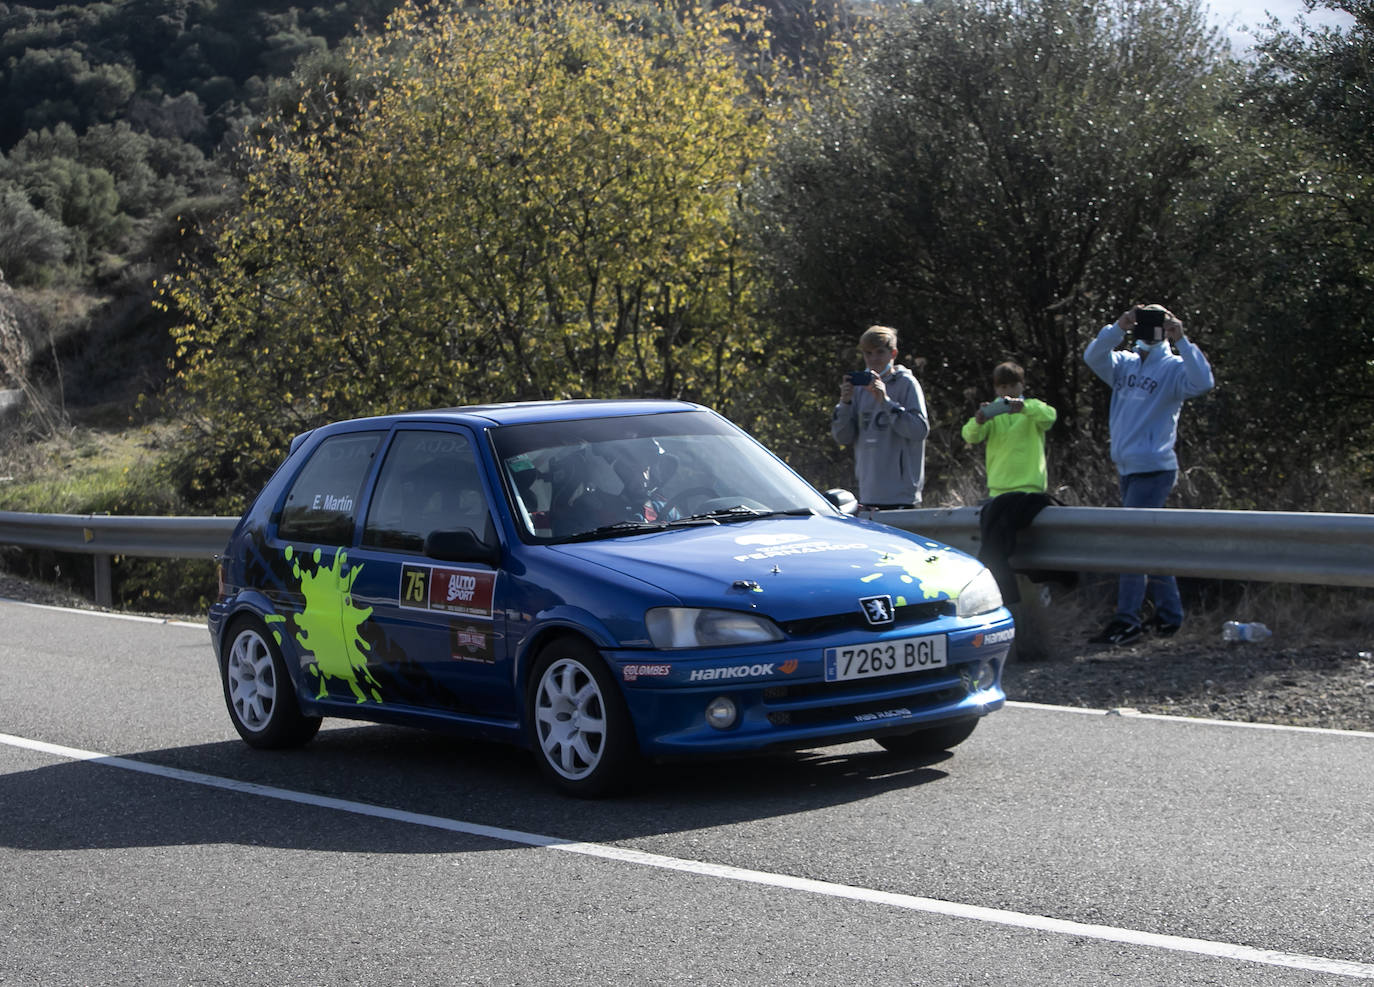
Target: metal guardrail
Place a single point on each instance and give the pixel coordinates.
(1325, 549)
(106, 536)
(1260, 546)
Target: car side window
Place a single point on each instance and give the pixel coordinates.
(322, 504)
(428, 482)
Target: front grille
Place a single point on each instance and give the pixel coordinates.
(827, 702)
(849, 711)
(910, 682)
(912, 613)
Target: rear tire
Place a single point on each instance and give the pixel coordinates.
(259, 691)
(932, 740)
(580, 728)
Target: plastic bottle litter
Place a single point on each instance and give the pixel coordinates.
(1235, 630)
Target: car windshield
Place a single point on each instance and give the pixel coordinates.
(609, 477)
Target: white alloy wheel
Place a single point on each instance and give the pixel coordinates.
(570, 719)
(252, 680)
(258, 689)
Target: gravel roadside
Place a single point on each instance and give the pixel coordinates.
(1321, 684)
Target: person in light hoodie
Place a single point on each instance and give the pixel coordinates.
(1149, 384)
(882, 414)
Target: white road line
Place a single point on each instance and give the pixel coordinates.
(1170, 718)
(976, 913)
(137, 617)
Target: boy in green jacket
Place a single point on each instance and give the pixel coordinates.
(1014, 428)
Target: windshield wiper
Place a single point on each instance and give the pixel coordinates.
(725, 515)
(739, 512)
(618, 528)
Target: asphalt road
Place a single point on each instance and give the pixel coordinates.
(142, 843)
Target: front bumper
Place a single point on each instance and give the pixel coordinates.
(783, 700)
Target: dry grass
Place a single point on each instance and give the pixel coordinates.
(85, 470)
(1320, 615)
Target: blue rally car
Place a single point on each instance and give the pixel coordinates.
(603, 582)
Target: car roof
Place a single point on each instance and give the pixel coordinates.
(523, 412)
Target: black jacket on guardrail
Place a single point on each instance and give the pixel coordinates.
(999, 521)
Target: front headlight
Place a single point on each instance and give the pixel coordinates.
(979, 596)
(693, 627)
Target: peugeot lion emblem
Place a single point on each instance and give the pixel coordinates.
(878, 609)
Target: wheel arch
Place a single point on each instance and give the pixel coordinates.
(255, 604)
(286, 721)
(535, 643)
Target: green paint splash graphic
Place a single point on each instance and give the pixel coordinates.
(276, 618)
(328, 626)
(931, 573)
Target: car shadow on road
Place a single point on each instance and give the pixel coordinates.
(85, 805)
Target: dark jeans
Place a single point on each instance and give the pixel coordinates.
(1148, 490)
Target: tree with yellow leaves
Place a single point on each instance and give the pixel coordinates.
(491, 203)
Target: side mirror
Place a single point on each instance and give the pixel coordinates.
(461, 545)
(843, 499)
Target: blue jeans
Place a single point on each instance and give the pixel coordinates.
(1147, 490)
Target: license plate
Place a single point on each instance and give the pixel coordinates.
(870, 661)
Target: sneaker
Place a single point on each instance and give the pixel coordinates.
(1118, 632)
(1163, 628)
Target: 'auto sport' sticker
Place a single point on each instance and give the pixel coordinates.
(464, 591)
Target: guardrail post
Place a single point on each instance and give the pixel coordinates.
(1032, 622)
(104, 596)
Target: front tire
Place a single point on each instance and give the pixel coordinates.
(932, 740)
(258, 689)
(580, 728)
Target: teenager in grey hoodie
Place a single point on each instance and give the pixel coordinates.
(885, 421)
(1149, 384)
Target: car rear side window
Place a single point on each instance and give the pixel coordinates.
(323, 502)
(428, 482)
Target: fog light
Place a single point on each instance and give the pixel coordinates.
(987, 674)
(979, 678)
(721, 713)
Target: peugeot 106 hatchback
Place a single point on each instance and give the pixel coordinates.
(603, 582)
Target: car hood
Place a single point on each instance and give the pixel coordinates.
(788, 568)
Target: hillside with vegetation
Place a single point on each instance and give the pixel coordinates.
(118, 124)
(221, 224)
